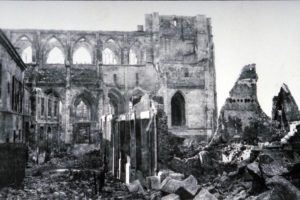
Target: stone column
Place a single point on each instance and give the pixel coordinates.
(125, 56)
(68, 128)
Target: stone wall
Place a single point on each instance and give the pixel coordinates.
(285, 109)
(173, 54)
(241, 118)
(13, 163)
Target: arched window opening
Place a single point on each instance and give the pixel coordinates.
(55, 56)
(82, 112)
(108, 56)
(132, 58)
(27, 55)
(82, 56)
(178, 110)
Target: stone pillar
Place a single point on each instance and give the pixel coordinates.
(68, 128)
(125, 56)
(132, 141)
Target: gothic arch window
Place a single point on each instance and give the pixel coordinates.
(109, 57)
(82, 56)
(55, 56)
(27, 55)
(132, 58)
(178, 110)
(82, 111)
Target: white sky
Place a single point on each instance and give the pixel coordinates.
(266, 33)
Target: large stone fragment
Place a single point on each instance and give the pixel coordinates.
(283, 188)
(153, 182)
(285, 109)
(273, 169)
(187, 187)
(204, 194)
(169, 173)
(253, 168)
(263, 196)
(272, 164)
(171, 197)
(136, 186)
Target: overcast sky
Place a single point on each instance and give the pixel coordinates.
(266, 33)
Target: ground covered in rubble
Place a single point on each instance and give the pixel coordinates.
(68, 177)
(244, 172)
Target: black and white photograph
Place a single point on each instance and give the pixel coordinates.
(149, 100)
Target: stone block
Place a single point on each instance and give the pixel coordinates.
(136, 186)
(205, 194)
(153, 182)
(171, 197)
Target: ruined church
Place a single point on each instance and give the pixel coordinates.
(79, 77)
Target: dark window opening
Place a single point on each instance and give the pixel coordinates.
(55, 108)
(49, 107)
(17, 95)
(178, 110)
(41, 132)
(42, 106)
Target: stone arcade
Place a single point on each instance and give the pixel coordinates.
(87, 86)
(79, 76)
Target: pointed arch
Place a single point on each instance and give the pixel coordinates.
(55, 56)
(26, 55)
(117, 101)
(82, 56)
(25, 48)
(109, 57)
(178, 109)
(82, 51)
(111, 52)
(89, 100)
(54, 51)
(136, 53)
(132, 57)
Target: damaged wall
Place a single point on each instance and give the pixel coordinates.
(241, 118)
(175, 54)
(285, 109)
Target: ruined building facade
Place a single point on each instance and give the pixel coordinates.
(241, 117)
(78, 76)
(15, 118)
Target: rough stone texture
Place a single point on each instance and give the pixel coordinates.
(274, 163)
(171, 197)
(285, 109)
(187, 187)
(205, 194)
(14, 101)
(241, 118)
(153, 182)
(283, 188)
(254, 168)
(136, 186)
(174, 54)
(263, 196)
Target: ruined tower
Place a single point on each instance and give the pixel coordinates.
(241, 117)
(183, 51)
